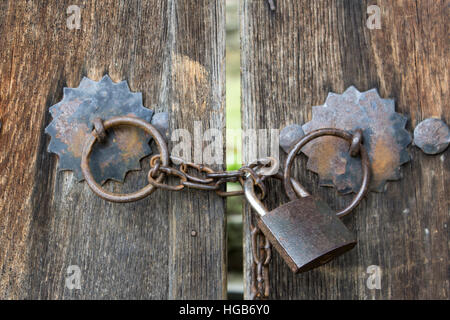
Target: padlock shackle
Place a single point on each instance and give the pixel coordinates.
(252, 198)
(256, 203)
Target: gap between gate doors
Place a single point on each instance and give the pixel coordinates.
(235, 282)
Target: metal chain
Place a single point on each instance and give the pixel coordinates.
(262, 255)
(208, 179)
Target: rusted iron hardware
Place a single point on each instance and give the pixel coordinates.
(303, 238)
(262, 255)
(74, 117)
(204, 178)
(432, 136)
(383, 129)
(101, 130)
(305, 232)
(162, 165)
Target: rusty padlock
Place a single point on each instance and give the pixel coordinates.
(305, 231)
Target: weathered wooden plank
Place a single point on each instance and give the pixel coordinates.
(291, 59)
(48, 220)
(196, 100)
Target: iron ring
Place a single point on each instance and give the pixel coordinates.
(329, 132)
(89, 144)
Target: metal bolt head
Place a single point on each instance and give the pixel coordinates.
(432, 136)
(290, 135)
(193, 233)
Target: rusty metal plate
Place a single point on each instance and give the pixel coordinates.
(384, 136)
(73, 121)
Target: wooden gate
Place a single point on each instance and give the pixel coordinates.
(171, 51)
(291, 59)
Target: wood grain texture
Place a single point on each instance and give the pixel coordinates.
(291, 59)
(196, 100)
(49, 221)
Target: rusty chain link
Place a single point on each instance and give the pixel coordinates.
(208, 179)
(211, 180)
(262, 255)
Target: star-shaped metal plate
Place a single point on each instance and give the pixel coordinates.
(72, 123)
(384, 134)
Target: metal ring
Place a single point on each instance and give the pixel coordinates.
(329, 132)
(89, 144)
